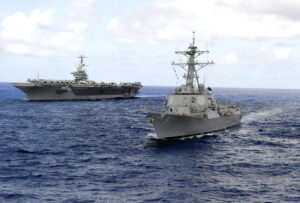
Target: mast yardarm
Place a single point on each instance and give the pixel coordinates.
(81, 64)
(192, 54)
(80, 74)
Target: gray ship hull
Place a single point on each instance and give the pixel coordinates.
(75, 92)
(172, 125)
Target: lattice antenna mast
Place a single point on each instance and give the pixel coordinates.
(81, 64)
(192, 53)
(80, 74)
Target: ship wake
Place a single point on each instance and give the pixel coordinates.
(261, 115)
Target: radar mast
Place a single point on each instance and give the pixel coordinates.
(81, 64)
(192, 54)
(80, 74)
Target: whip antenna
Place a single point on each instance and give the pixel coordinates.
(175, 75)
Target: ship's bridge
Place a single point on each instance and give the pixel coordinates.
(183, 101)
(80, 74)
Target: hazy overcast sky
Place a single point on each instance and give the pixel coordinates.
(254, 43)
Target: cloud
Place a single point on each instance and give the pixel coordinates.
(231, 58)
(282, 53)
(168, 20)
(283, 8)
(115, 26)
(83, 10)
(273, 53)
(36, 35)
(23, 28)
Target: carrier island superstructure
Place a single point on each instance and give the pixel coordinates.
(191, 109)
(78, 89)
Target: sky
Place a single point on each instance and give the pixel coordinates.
(254, 43)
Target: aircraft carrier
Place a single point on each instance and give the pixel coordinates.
(78, 89)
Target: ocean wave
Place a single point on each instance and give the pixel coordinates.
(107, 151)
(152, 135)
(259, 115)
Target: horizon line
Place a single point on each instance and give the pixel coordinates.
(261, 88)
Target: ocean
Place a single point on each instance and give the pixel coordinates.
(106, 151)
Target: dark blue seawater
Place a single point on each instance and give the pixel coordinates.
(105, 151)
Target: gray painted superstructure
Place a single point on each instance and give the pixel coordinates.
(78, 89)
(190, 109)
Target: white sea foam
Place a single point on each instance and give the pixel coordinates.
(257, 116)
(186, 138)
(152, 135)
(199, 136)
(195, 136)
(243, 131)
(158, 95)
(208, 134)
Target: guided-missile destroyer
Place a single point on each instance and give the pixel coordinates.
(78, 89)
(191, 109)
